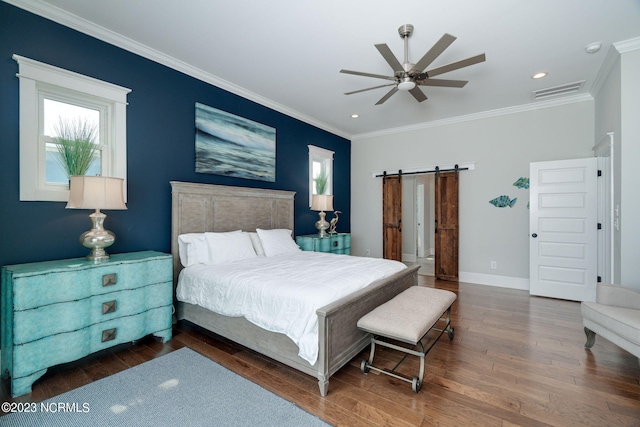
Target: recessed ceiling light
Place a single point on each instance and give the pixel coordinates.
(539, 75)
(355, 116)
(593, 47)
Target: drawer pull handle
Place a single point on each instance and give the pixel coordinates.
(109, 279)
(109, 335)
(109, 307)
(335, 243)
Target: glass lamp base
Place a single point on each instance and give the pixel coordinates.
(97, 238)
(322, 224)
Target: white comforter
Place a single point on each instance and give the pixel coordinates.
(282, 293)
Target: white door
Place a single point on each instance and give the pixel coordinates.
(563, 229)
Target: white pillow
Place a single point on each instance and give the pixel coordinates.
(277, 241)
(257, 244)
(192, 249)
(228, 247)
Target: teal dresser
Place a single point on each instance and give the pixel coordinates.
(55, 312)
(339, 243)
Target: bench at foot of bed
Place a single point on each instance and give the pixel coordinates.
(408, 318)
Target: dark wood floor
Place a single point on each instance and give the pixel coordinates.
(514, 360)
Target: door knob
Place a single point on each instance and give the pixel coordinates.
(534, 235)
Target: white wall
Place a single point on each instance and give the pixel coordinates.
(630, 159)
(503, 146)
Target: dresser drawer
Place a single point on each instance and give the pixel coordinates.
(337, 243)
(36, 323)
(78, 281)
(69, 346)
(306, 243)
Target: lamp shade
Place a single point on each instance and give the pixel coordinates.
(96, 192)
(321, 202)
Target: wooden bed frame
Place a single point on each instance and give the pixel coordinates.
(198, 208)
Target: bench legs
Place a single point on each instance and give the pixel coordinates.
(416, 382)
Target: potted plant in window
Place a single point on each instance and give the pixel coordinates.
(321, 181)
(75, 141)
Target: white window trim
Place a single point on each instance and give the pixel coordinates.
(33, 75)
(324, 154)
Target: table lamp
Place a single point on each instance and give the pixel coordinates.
(322, 202)
(96, 192)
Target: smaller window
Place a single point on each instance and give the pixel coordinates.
(320, 171)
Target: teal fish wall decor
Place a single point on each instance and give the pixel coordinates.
(522, 183)
(503, 201)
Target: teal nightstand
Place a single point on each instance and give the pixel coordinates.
(56, 312)
(339, 243)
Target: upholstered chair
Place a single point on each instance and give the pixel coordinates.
(615, 316)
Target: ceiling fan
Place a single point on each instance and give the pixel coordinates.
(408, 76)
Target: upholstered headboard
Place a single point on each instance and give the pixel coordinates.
(197, 208)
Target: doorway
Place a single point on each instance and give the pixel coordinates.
(418, 210)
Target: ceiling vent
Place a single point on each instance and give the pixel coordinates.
(558, 90)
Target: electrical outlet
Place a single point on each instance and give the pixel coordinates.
(494, 265)
(367, 252)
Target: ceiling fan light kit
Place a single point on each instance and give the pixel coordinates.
(406, 84)
(407, 76)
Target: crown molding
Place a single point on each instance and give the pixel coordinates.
(67, 19)
(477, 116)
(627, 45)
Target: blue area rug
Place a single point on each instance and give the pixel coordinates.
(182, 388)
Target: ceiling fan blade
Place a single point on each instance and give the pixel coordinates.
(359, 73)
(390, 57)
(442, 82)
(418, 94)
(435, 51)
(387, 96)
(369, 88)
(456, 65)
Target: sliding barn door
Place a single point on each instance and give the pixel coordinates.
(392, 217)
(446, 222)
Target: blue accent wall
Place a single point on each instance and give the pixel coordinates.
(160, 145)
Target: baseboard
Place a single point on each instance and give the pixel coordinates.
(493, 280)
(409, 258)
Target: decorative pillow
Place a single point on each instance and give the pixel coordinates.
(277, 242)
(192, 249)
(228, 247)
(257, 244)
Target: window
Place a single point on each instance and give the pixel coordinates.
(320, 171)
(52, 99)
(67, 117)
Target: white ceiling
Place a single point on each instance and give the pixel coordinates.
(287, 54)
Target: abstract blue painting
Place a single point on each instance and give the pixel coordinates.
(233, 146)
